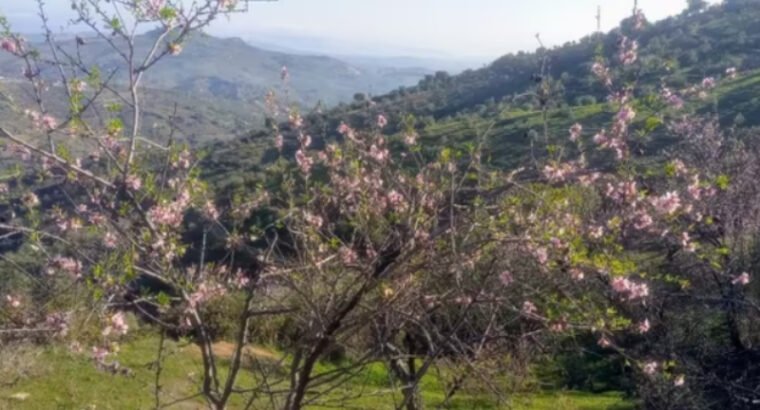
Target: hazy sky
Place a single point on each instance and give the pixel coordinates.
(464, 28)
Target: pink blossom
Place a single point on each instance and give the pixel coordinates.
(184, 160)
(596, 232)
(4, 188)
(463, 300)
(117, 324)
(69, 265)
(313, 220)
(168, 214)
(344, 129)
(379, 154)
(396, 200)
(58, 322)
(642, 220)
(175, 49)
(381, 121)
(679, 380)
(742, 279)
(604, 341)
(99, 354)
(629, 289)
(49, 122)
(295, 120)
(347, 255)
(133, 182)
(708, 83)
(203, 293)
(210, 211)
(671, 98)
(577, 274)
(575, 132)
(601, 138)
(669, 203)
(686, 243)
(8, 44)
(644, 326)
(506, 278)
(628, 51)
(625, 191)
(558, 326)
(13, 301)
(30, 200)
(110, 240)
(24, 153)
(679, 167)
(626, 114)
(602, 73)
(304, 161)
(558, 172)
(240, 280)
(731, 72)
(587, 180)
(650, 368)
(77, 86)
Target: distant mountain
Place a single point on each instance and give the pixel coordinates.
(216, 72)
(363, 55)
(232, 69)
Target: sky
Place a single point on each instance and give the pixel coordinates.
(430, 28)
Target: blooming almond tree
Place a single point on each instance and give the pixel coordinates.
(110, 214)
(417, 259)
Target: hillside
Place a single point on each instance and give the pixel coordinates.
(247, 73)
(214, 101)
(500, 99)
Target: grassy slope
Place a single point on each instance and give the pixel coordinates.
(59, 379)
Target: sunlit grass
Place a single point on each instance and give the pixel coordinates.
(61, 379)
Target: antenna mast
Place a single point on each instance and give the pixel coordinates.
(598, 19)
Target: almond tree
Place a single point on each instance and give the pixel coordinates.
(412, 257)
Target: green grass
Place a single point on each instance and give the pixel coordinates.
(54, 378)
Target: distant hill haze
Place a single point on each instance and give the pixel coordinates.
(219, 84)
(232, 69)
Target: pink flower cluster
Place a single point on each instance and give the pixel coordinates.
(304, 162)
(205, 292)
(668, 204)
(42, 121)
(629, 289)
(58, 322)
(731, 73)
(671, 98)
(133, 182)
(171, 213)
(13, 301)
(742, 279)
(68, 265)
(555, 173)
(602, 73)
(9, 44)
(116, 324)
(628, 53)
(575, 132)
